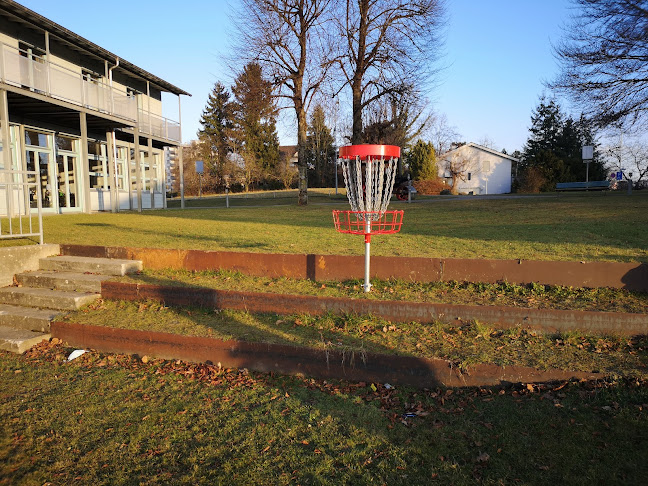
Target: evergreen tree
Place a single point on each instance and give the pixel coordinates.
(553, 152)
(217, 122)
(320, 150)
(422, 161)
(255, 130)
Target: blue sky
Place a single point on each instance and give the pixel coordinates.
(497, 54)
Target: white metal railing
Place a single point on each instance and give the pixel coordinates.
(22, 69)
(159, 126)
(20, 204)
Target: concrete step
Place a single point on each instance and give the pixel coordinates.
(26, 318)
(19, 340)
(104, 266)
(46, 298)
(75, 282)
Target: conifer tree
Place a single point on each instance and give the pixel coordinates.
(255, 130)
(553, 152)
(320, 150)
(217, 122)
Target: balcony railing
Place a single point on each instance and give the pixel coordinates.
(24, 70)
(158, 126)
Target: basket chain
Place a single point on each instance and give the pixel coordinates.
(373, 192)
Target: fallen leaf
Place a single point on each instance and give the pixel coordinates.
(483, 457)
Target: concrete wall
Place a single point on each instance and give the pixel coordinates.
(17, 259)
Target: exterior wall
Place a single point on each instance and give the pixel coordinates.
(486, 172)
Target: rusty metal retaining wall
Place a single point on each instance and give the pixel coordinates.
(630, 276)
(543, 319)
(401, 370)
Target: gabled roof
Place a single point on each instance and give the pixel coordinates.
(483, 149)
(31, 20)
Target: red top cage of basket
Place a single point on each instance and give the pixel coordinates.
(369, 172)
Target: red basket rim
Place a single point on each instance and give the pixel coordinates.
(366, 151)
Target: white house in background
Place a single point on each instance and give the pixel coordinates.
(482, 170)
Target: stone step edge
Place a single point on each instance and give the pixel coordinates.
(18, 340)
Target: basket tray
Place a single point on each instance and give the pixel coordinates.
(355, 222)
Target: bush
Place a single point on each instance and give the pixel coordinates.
(533, 181)
(446, 192)
(430, 186)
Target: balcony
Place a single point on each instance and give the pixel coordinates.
(32, 73)
(158, 126)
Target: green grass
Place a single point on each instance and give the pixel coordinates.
(111, 419)
(530, 296)
(592, 227)
(464, 343)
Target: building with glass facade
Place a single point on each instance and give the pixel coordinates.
(79, 126)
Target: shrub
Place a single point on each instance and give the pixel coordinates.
(430, 186)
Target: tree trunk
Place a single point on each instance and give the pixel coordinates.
(302, 126)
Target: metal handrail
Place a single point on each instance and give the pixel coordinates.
(22, 198)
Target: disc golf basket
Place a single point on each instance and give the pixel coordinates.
(369, 172)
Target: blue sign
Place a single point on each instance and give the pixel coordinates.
(619, 176)
(199, 166)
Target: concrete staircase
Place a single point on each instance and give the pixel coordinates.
(62, 283)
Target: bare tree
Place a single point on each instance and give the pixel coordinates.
(442, 134)
(632, 158)
(286, 38)
(458, 165)
(604, 58)
(388, 47)
(396, 120)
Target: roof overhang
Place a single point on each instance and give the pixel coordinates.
(34, 21)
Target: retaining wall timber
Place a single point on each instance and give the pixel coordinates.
(544, 319)
(630, 276)
(398, 370)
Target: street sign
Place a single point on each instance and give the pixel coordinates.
(588, 153)
(199, 167)
(619, 176)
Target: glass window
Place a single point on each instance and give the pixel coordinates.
(97, 165)
(36, 139)
(469, 176)
(65, 143)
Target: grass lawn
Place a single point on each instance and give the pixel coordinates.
(112, 419)
(590, 227)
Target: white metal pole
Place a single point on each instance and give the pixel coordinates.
(367, 284)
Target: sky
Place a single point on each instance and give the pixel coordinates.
(497, 54)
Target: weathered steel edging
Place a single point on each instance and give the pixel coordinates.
(630, 276)
(292, 360)
(545, 319)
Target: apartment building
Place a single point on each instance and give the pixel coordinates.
(81, 128)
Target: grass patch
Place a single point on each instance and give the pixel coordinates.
(592, 227)
(110, 419)
(464, 344)
(535, 296)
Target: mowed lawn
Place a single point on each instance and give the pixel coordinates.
(113, 420)
(587, 227)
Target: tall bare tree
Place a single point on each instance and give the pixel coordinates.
(286, 37)
(388, 46)
(604, 58)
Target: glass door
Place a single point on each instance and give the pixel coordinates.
(67, 174)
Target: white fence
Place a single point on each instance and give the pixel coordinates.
(21, 210)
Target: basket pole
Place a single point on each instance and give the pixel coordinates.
(367, 284)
